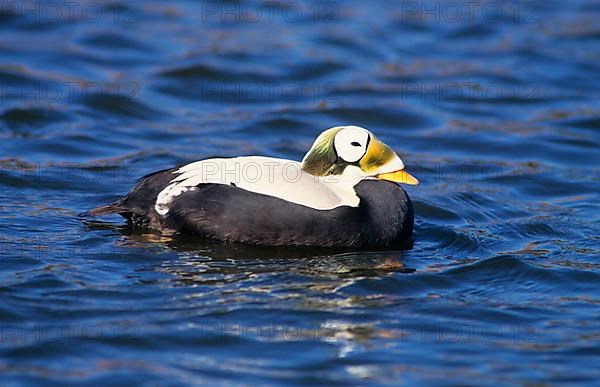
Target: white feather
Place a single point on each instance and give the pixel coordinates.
(268, 176)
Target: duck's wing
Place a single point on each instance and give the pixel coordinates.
(280, 178)
(228, 213)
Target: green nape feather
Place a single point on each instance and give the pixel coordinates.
(321, 159)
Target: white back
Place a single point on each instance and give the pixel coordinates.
(268, 176)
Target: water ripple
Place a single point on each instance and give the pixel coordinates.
(498, 119)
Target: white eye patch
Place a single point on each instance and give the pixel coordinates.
(351, 143)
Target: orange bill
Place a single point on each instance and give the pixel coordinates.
(399, 177)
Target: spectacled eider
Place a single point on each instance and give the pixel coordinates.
(342, 194)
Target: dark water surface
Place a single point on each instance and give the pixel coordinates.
(495, 108)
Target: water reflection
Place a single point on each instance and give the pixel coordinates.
(498, 119)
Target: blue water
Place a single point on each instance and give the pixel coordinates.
(495, 108)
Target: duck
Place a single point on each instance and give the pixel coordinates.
(346, 192)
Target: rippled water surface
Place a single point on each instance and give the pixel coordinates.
(494, 108)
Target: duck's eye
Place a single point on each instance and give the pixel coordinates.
(349, 143)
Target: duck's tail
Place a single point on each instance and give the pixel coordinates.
(113, 208)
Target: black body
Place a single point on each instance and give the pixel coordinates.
(383, 218)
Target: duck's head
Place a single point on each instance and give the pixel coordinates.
(352, 150)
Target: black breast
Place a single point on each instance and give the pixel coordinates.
(383, 218)
(388, 212)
